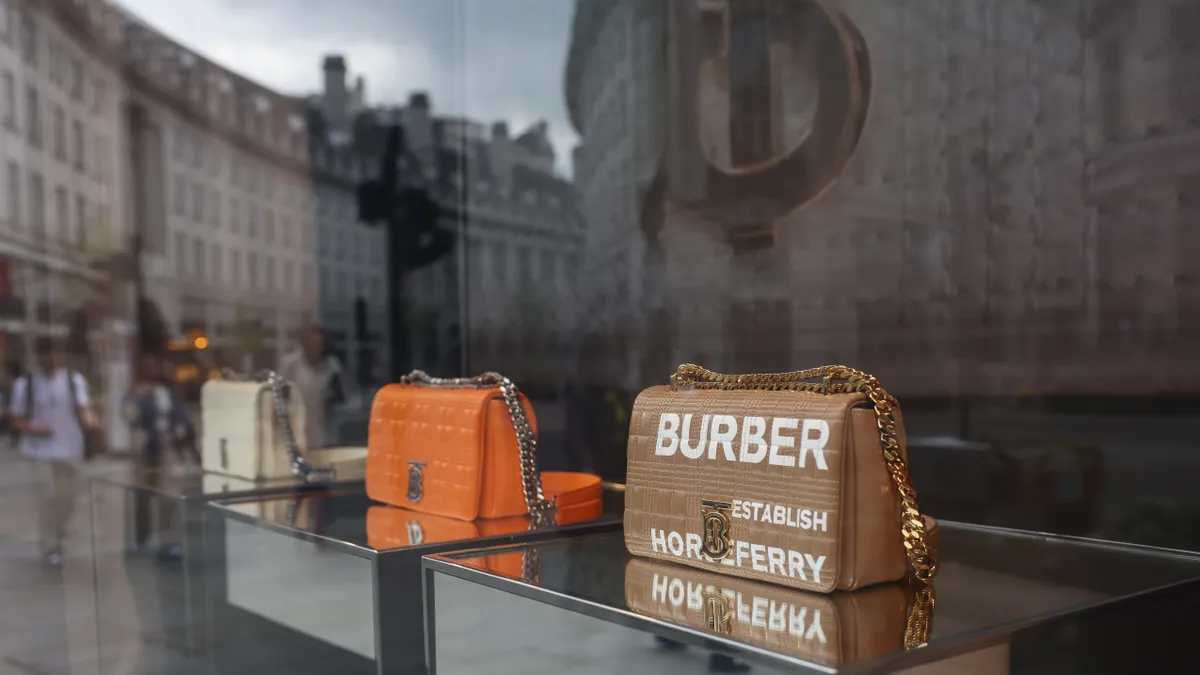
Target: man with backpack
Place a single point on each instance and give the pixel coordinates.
(50, 409)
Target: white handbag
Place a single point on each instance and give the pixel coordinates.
(253, 428)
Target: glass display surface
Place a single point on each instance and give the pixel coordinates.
(275, 558)
(646, 615)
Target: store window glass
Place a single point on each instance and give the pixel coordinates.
(992, 205)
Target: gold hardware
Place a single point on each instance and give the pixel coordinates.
(416, 475)
(718, 616)
(840, 380)
(714, 524)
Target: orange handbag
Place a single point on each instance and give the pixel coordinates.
(465, 448)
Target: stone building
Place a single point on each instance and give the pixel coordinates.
(63, 208)
(222, 188)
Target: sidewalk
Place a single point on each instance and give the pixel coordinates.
(47, 616)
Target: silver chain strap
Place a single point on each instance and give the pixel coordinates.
(283, 419)
(541, 510)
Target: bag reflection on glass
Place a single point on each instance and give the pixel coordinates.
(828, 629)
(389, 527)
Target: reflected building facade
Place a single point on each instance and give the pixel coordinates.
(350, 255)
(222, 187)
(1011, 216)
(65, 270)
(63, 196)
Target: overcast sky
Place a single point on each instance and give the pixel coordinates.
(490, 59)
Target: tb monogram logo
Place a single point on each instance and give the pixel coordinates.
(416, 475)
(714, 528)
(717, 614)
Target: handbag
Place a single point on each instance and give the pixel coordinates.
(827, 629)
(465, 448)
(251, 427)
(796, 478)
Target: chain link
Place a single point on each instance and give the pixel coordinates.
(541, 510)
(283, 422)
(840, 380)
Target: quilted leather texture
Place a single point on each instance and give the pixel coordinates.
(466, 442)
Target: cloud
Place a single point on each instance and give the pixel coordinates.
(487, 59)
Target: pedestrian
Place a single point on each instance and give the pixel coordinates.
(321, 383)
(50, 408)
(162, 442)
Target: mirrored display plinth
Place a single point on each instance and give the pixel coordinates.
(149, 566)
(1005, 601)
(331, 583)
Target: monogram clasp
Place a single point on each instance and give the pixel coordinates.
(714, 528)
(416, 477)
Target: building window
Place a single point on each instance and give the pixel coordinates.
(62, 214)
(215, 208)
(269, 226)
(99, 96)
(10, 101)
(252, 269)
(59, 118)
(14, 195)
(81, 222)
(288, 273)
(198, 268)
(180, 251)
(198, 202)
(285, 229)
(76, 79)
(271, 282)
(180, 195)
(252, 220)
(37, 205)
(180, 143)
(29, 36)
(235, 265)
(5, 31)
(197, 153)
(217, 276)
(235, 216)
(77, 132)
(33, 116)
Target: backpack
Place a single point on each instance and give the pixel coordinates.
(91, 445)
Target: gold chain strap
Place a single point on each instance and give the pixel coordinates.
(540, 508)
(839, 380)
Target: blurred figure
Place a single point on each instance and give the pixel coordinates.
(50, 409)
(9, 436)
(320, 381)
(162, 434)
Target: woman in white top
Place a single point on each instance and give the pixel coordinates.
(319, 378)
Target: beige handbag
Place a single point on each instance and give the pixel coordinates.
(796, 478)
(253, 428)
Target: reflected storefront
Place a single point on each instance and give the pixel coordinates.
(991, 205)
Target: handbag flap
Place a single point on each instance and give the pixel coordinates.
(755, 476)
(425, 448)
(828, 629)
(240, 430)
